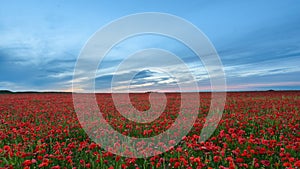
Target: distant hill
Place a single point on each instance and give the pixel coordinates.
(5, 92)
(25, 92)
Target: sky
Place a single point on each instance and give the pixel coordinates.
(258, 43)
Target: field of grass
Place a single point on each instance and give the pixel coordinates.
(257, 130)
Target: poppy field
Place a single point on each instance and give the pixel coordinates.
(257, 130)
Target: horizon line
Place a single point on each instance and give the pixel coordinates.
(145, 92)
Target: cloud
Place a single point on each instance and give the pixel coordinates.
(262, 86)
(39, 47)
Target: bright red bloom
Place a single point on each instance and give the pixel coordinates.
(217, 158)
(297, 163)
(27, 163)
(88, 165)
(239, 160)
(286, 164)
(176, 165)
(6, 148)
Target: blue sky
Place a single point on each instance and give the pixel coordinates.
(258, 43)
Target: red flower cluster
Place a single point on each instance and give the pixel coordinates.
(257, 130)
